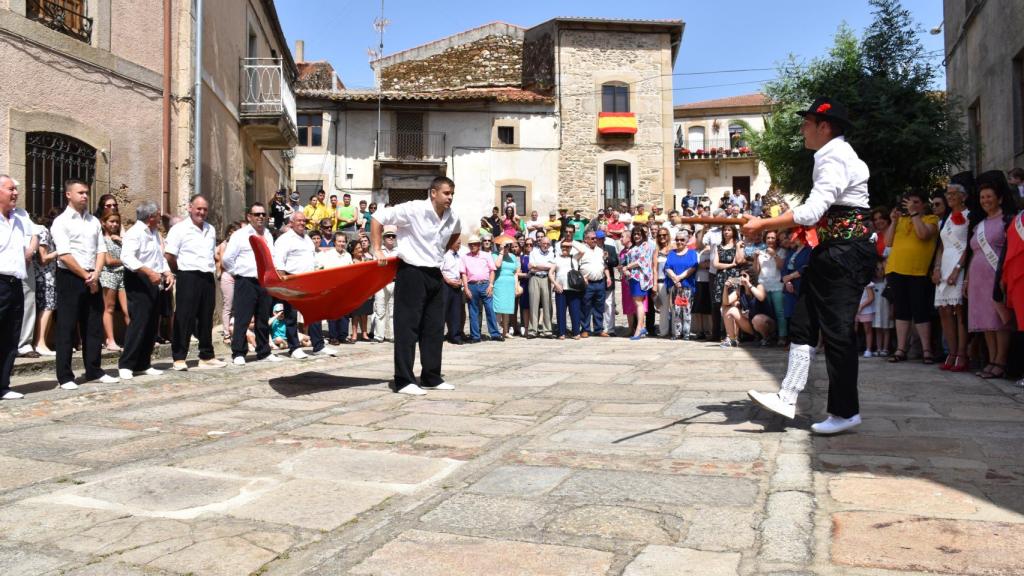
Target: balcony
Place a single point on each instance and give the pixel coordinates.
(717, 149)
(267, 105)
(64, 16)
(410, 147)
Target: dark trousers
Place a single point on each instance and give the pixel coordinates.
(338, 329)
(827, 306)
(194, 297)
(568, 300)
(419, 319)
(12, 308)
(291, 330)
(140, 336)
(454, 306)
(81, 309)
(650, 323)
(593, 306)
(250, 301)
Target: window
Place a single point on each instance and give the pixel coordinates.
(616, 184)
(507, 135)
(518, 195)
(974, 133)
(65, 16)
(736, 136)
(696, 138)
(615, 98)
(398, 196)
(310, 129)
(306, 188)
(50, 159)
(697, 186)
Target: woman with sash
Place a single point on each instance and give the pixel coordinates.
(948, 276)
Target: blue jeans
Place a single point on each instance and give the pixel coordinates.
(338, 329)
(569, 299)
(593, 306)
(481, 299)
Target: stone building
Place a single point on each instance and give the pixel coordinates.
(712, 156)
(84, 98)
(573, 112)
(985, 74)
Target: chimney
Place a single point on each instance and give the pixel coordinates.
(300, 49)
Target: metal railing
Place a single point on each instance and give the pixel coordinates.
(265, 89)
(414, 146)
(699, 148)
(65, 16)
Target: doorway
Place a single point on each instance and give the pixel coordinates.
(741, 183)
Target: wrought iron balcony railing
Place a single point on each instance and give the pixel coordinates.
(265, 90)
(65, 16)
(411, 146)
(701, 149)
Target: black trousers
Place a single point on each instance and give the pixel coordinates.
(830, 293)
(455, 307)
(77, 308)
(291, 330)
(140, 337)
(12, 308)
(251, 301)
(419, 319)
(194, 300)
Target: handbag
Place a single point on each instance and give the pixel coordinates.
(575, 279)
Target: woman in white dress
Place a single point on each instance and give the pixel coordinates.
(948, 276)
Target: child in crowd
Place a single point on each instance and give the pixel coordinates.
(866, 315)
(882, 324)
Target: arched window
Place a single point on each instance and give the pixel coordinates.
(617, 185)
(50, 160)
(696, 138)
(615, 97)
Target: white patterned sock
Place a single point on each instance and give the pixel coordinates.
(800, 358)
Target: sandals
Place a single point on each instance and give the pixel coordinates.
(989, 374)
(957, 366)
(927, 358)
(898, 356)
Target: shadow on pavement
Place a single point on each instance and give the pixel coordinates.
(313, 382)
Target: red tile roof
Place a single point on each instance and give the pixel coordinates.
(316, 75)
(743, 101)
(499, 95)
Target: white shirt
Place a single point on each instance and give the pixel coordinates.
(451, 265)
(738, 200)
(532, 226)
(80, 235)
(294, 254)
(238, 258)
(332, 259)
(13, 236)
(424, 235)
(770, 276)
(591, 261)
(141, 247)
(712, 238)
(840, 178)
(563, 264)
(191, 246)
(539, 258)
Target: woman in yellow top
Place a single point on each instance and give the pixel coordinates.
(316, 211)
(912, 238)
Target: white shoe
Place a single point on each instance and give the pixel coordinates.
(239, 361)
(125, 374)
(867, 354)
(835, 424)
(412, 390)
(105, 379)
(179, 366)
(326, 351)
(69, 386)
(46, 352)
(441, 386)
(298, 354)
(772, 401)
(152, 372)
(379, 340)
(275, 358)
(212, 363)
(12, 395)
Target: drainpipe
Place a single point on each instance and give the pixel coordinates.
(165, 161)
(197, 134)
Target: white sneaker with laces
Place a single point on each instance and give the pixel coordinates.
(125, 374)
(412, 390)
(835, 424)
(239, 361)
(179, 366)
(298, 354)
(275, 358)
(772, 401)
(441, 386)
(69, 386)
(152, 372)
(326, 351)
(12, 395)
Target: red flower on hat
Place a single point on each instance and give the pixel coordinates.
(824, 108)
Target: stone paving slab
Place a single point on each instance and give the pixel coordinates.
(669, 561)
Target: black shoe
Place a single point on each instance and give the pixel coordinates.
(472, 341)
(455, 342)
(498, 339)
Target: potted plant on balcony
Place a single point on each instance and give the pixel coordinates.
(700, 152)
(721, 151)
(745, 150)
(684, 152)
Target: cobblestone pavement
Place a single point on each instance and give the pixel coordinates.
(560, 458)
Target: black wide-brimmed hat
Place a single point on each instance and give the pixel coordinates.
(828, 109)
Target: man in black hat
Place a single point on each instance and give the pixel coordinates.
(840, 266)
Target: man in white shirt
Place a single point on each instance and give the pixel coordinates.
(250, 300)
(335, 257)
(839, 268)
(738, 199)
(13, 270)
(542, 267)
(28, 319)
(189, 250)
(382, 325)
(428, 228)
(454, 300)
(294, 253)
(591, 258)
(78, 240)
(534, 225)
(145, 275)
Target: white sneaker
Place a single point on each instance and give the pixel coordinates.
(179, 366)
(835, 424)
(867, 354)
(152, 372)
(105, 379)
(772, 401)
(212, 363)
(326, 351)
(46, 352)
(298, 354)
(239, 361)
(412, 390)
(275, 358)
(12, 395)
(125, 374)
(379, 340)
(441, 386)
(69, 386)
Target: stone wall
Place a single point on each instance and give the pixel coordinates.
(587, 60)
(491, 61)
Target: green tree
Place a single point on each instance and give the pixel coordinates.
(907, 133)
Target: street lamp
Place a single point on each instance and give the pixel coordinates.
(938, 29)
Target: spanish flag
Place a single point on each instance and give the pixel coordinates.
(616, 123)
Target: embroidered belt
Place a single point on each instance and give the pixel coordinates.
(844, 223)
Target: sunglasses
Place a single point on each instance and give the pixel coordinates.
(258, 214)
(390, 236)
